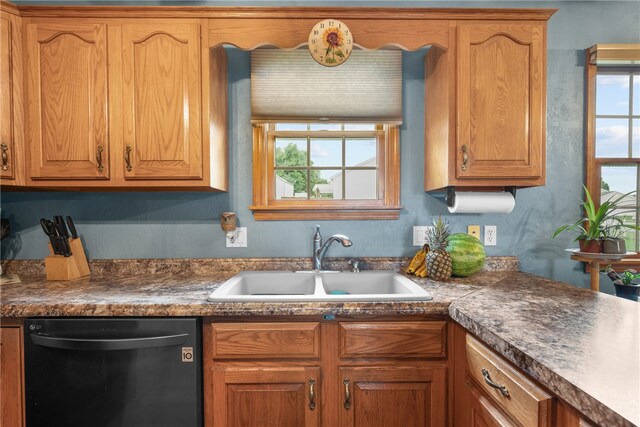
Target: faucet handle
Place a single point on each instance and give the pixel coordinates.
(355, 265)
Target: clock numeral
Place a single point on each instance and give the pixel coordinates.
(346, 33)
(316, 32)
(321, 25)
(315, 50)
(330, 22)
(348, 41)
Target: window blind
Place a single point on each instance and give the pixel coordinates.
(290, 85)
(615, 54)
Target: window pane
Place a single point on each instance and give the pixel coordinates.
(618, 180)
(635, 133)
(360, 152)
(612, 138)
(636, 95)
(612, 94)
(326, 184)
(291, 184)
(326, 126)
(359, 126)
(361, 184)
(326, 152)
(291, 126)
(291, 152)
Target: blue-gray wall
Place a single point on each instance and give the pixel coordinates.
(185, 225)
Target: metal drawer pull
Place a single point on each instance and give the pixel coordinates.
(465, 157)
(127, 157)
(312, 394)
(5, 157)
(99, 150)
(347, 394)
(503, 390)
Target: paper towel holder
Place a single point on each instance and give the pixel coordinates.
(450, 194)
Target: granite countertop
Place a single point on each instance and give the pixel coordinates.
(581, 345)
(584, 346)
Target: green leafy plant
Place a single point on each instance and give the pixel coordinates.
(595, 224)
(625, 278)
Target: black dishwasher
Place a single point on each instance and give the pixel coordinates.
(108, 372)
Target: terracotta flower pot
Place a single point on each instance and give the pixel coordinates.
(614, 246)
(594, 246)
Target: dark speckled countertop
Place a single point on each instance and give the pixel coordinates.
(581, 345)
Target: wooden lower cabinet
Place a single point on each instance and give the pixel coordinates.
(11, 383)
(381, 396)
(484, 413)
(281, 396)
(257, 378)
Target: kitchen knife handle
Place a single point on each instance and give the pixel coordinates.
(5, 157)
(99, 151)
(72, 227)
(61, 225)
(127, 157)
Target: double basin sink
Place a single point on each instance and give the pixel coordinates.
(292, 286)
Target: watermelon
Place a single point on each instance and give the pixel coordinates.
(467, 254)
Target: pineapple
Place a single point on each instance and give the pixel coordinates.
(438, 260)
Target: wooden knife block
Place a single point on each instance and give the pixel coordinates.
(60, 267)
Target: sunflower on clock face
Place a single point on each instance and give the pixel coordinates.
(333, 42)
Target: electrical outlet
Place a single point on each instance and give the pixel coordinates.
(474, 230)
(490, 235)
(420, 234)
(237, 238)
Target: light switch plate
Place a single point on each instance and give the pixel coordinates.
(490, 235)
(474, 230)
(420, 234)
(237, 238)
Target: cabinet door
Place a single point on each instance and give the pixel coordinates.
(7, 151)
(484, 413)
(500, 101)
(67, 98)
(161, 91)
(266, 396)
(407, 396)
(11, 408)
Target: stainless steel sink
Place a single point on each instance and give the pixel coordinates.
(286, 286)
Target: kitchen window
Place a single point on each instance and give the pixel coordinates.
(326, 171)
(325, 140)
(613, 133)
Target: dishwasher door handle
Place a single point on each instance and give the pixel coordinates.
(108, 344)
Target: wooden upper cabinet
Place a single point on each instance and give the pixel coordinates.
(11, 106)
(67, 100)
(162, 101)
(500, 101)
(379, 396)
(7, 151)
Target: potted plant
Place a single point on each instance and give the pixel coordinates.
(613, 241)
(627, 284)
(593, 226)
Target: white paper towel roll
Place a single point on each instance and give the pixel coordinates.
(483, 202)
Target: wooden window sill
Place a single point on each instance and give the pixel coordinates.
(279, 213)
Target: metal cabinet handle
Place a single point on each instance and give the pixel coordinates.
(127, 157)
(503, 390)
(347, 394)
(99, 151)
(465, 157)
(312, 394)
(5, 157)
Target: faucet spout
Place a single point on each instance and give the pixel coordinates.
(320, 249)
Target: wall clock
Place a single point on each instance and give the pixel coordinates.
(330, 42)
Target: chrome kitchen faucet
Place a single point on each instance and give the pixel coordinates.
(320, 249)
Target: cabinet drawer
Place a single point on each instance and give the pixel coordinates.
(520, 398)
(393, 339)
(266, 340)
